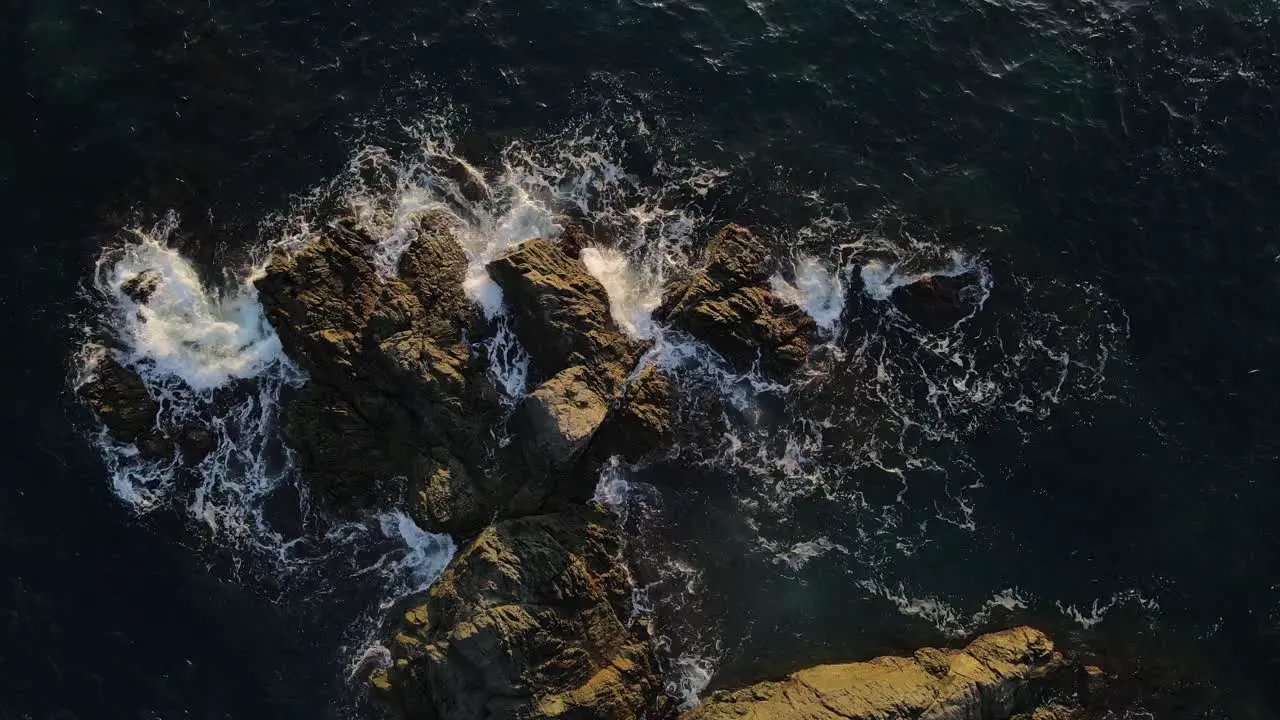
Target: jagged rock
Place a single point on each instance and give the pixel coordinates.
(394, 390)
(728, 304)
(641, 421)
(470, 181)
(938, 302)
(562, 314)
(142, 286)
(442, 495)
(119, 398)
(344, 456)
(994, 677)
(530, 620)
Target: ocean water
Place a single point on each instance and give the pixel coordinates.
(1092, 451)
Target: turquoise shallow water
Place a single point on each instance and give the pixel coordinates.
(1117, 159)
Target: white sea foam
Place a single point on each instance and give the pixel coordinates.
(820, 292)
(415, 566)
(944, 616)
(1099, 608)
(190, 343)
(184, 330)
(633, 295)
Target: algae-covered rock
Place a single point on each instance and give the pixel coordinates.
(728, 304)
(530, 620)
(994, 677)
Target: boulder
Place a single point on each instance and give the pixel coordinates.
(154, 445)
(728, 304)
(443, 496)
(641, 421)
(938, 302)
(553, 426)
(996, 676)
(119, 398)
(562, 314)
(530, 620)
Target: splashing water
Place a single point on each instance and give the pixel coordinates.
(633, 296)
(183, 330)
(817, 290)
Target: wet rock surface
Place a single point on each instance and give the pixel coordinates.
(119, 398)
(728, 304)
(640, 422)
(530, 620)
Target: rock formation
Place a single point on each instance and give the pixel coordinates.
(641, 421)
(119, 398)
(728, 304)
(530, 620)
(994, 677)
(562, 315)
(394, 390)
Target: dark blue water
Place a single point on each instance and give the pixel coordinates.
(1130, 146)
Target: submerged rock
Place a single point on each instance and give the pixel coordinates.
(728, 304)
(530, 620)
(562, 314)
(939, 302)
(996, 676)
(195, 442)
(119, 398)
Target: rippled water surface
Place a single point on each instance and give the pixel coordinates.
(1093, 451)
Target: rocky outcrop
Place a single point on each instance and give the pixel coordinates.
(554, 425)
(728, 304)
(394, 390)
(562, 315)
(530, 620)
(996, 676)
(938, 302)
